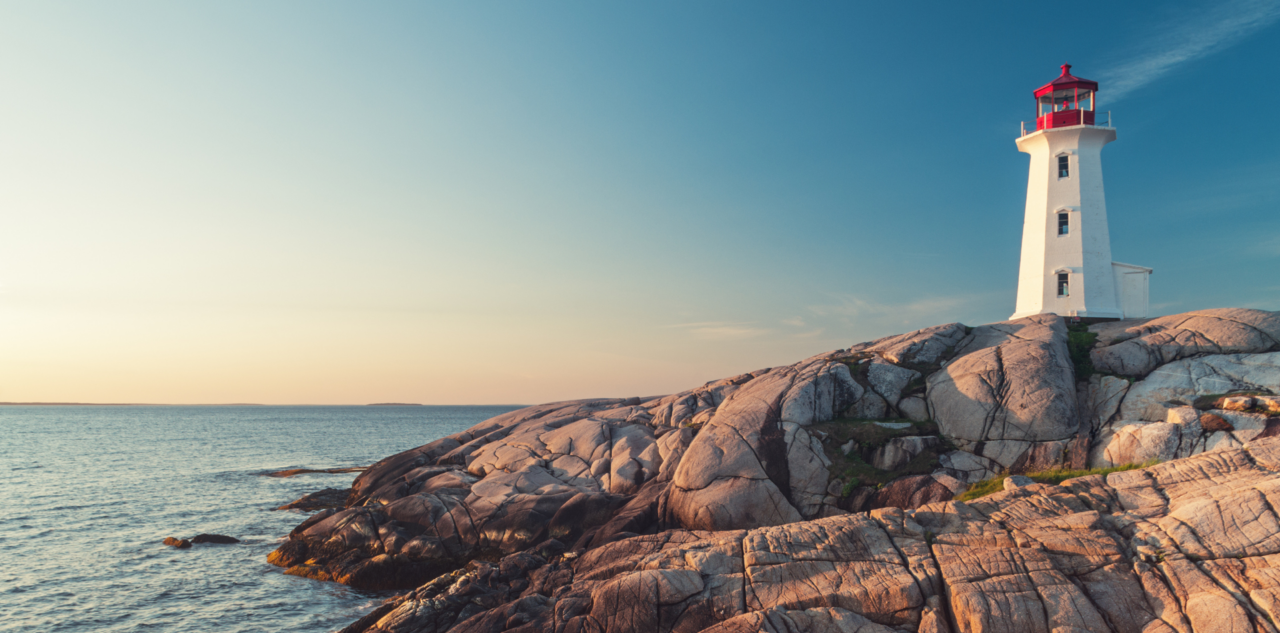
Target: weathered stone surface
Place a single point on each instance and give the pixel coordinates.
(1270, 404)
(1179, 383)
(819, 392)
(923, 347)
(1139, 349)
(1009, 381)
(910, 492)
(969, 467)
(628, 486)
(898, 451)
(1237, 403)
(179, 543)
(1101, 399)
(1135, 443)
(889, 380)
(1191, 545)
(914, 408)
(1017, 481)
(320, 500)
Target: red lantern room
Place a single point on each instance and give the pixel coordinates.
(1065, 101)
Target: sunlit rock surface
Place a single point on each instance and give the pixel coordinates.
(815, 496)
(1189, 545)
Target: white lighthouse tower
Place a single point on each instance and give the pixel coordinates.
(1066, 266)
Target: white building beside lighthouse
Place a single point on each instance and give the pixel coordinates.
(1066, 266)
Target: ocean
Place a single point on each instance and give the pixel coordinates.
(87, 494)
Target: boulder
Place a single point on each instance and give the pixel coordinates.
(921, 347)
(968, 467)
(910, 492)
(1270, 404)
(1010, 382)
(1214, 423)
(889, 380)
(215, 539)
(752, 465)
(898, 451)
(1139, 349)
(1018, 481)
(914, 408)
(1237, 403)
(1138, 442)
(179, 543)
(1179, 383)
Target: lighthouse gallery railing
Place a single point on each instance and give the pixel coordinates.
(1029, 127)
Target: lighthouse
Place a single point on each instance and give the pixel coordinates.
(1066, 266)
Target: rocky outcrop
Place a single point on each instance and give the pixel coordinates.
(901, 422)
(319, 500)
(1010, 395)
(1136, 349)
(1187, 546)
(1165, 398)
(1180, 383)
(1154, 418)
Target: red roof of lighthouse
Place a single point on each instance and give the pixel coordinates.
(1066, 82)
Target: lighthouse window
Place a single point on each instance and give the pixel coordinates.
(1063, 170)
(1064, 224)
(1063, 289)
(1085, 100)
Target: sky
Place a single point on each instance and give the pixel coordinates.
(521, 202)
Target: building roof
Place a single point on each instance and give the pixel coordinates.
(1066, 81)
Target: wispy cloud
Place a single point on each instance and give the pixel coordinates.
(1265, 247)
(860, 308)
(1186, 39)
(722, 330)
(862, 319)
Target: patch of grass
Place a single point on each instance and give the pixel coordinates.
(1079, 341)
(849, 486)
(1054, 476)
(854, 469)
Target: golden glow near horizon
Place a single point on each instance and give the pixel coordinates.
(301, 203)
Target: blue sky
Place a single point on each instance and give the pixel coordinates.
(521, 202)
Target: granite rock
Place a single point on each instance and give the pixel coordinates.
(1191, 545)
(1179, 383)
(1140, 349)
(1010, 382)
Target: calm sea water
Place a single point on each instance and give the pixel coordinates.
(87, 494)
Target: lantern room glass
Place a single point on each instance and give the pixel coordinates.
(1061, 100)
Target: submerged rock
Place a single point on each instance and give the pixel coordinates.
(215, 539)
(179, 543)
